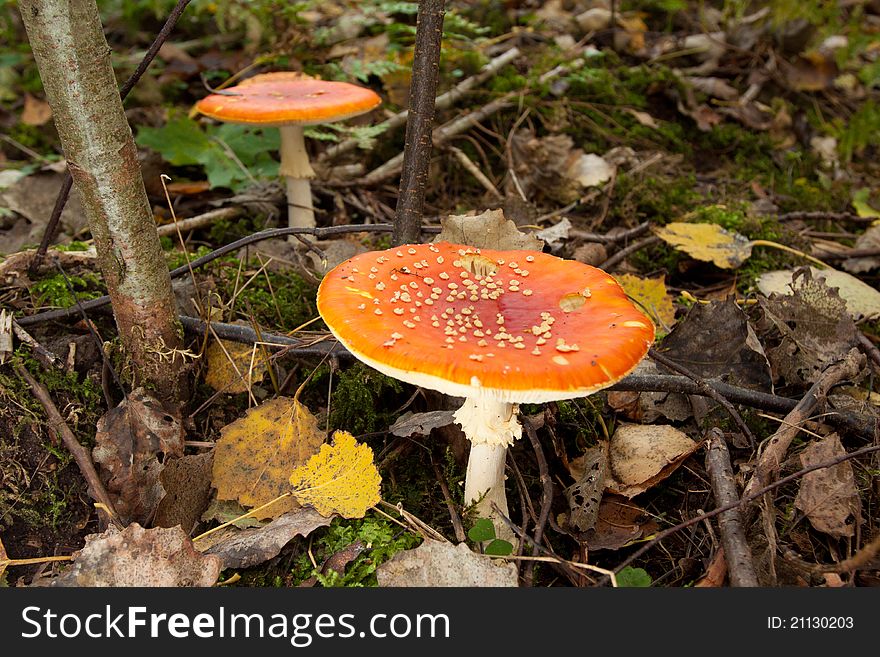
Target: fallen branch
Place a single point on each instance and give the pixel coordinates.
(442, 102)
(740, 567)
(80, 454)
(200, 221)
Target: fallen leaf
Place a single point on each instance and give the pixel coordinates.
(140, 557)
(233, 367)
(4, 562)
(643, 118)
(132, 443)
(828, 497)
(230, 511)
(33, 197)
(584, 496)
(256, 453)
(811, 72)
(36, 112)
(341, 478)
(187, 485)
(489, 230)
(438, 564)
(421, 424)
(555, 235)
(716, 573)
(641, 456)
(862, 300)
(707, 242)
(861, 204)
(619, 523)
(651, 296)
(589, 170)
(545, 167)
(255, 546)
(646, 407)
(739, 358)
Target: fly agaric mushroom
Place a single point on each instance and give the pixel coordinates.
(499, 328)
(290, 101)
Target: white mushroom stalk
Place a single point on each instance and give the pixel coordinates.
(298, 172)
(491, 426)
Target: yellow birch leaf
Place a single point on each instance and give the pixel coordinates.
(339, 479)
(235, 375)
(707, 242)
(256, 453)
(651, 295)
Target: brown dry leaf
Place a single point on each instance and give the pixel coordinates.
(620, 522)
(256, 453)
(590, 471)
(187, 484)
(646, 407)
(814, 71)
(4, 562)
(807, 330)
(442, 564)
(738, 358)
(642, 456)
(651, 295)
(716, 573)
(489, 230)
(36, 112)
(341, 478)
(140, 557)
(255, 546)
(546, 167)
(132, 442)
(828, 497)
(707, 242)
(33, 197)
(862, 300)
(233, 367)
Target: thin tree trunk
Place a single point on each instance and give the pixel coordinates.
(420, 122)
(73, 57)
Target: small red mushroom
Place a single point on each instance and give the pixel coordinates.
(499, 328)
(290, 101)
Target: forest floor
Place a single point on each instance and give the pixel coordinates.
(609, 135)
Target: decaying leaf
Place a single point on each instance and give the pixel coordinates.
(229, 511)
(645, 407)
(132, 442)
(489, 230)
(36, 112)
(233, 367)
(828, 497)
(590, 471)
(589, 169)
(256, 454)
(187, 484)
(707, 242)
(442, 564)
(862, 300)
(650, 294)
(555, 235)
(738, 358)
(140, 557)
(807, 330)
(619, 522)
(641, 456)
(254, 546)
(341, 478)
(421, 424)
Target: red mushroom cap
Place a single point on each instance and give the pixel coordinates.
(518, 326)
(284, 98)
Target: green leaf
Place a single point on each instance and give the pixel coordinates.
(499, 547)
(482, 530)
(633, 577)
(180, 142)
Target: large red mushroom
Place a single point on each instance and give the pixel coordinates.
(499, 328)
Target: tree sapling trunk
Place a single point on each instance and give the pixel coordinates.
(73, 58)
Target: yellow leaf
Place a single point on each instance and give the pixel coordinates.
(707, 242)
(256, 453)
(339, 479)
(651, 295)
(230, 369)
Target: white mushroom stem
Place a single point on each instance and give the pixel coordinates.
(296, 168)
(491, 426)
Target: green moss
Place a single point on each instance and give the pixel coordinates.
(56, 290)
(661, 198)
(362, 400)
(381, 538)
